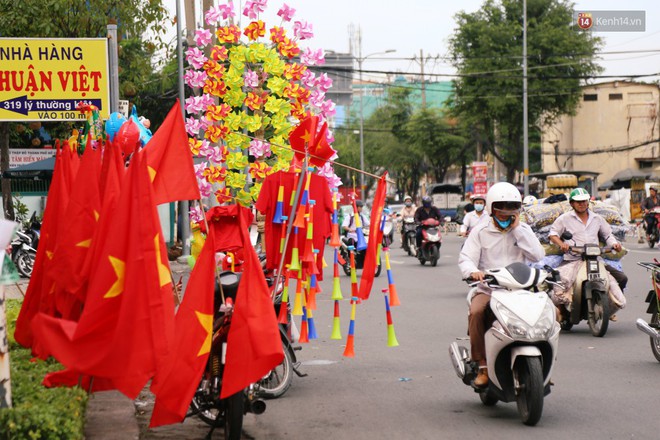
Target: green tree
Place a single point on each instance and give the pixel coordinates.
(136, 19)
(486, 50)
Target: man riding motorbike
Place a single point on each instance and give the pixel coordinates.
(495, 243)
(473, 218)
(426, 211)
(348, 225)
(408, 211)
(647, 207)
(586, 227)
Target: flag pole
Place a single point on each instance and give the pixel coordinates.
(289, 226)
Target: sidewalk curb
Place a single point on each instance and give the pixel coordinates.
(110, 416)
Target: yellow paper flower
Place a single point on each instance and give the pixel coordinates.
(253, 101)
(277, 85)
(194, 145)
(233, 121)
(236, 161)
(214, 174)
(235, 179)
(236, 141)
(244, 198)
(255, 190)
(235, 97)
(228, 34)
(255, 30)
(253, 123)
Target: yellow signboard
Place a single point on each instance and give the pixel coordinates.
(45, 79)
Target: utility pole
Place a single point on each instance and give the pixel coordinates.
(525, 110)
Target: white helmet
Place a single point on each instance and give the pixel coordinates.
(407, 197)
(529, 200)
(502, 192)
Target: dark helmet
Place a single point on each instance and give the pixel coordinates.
(427, 202)
(359, 203)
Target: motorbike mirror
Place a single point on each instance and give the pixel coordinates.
(566, 235)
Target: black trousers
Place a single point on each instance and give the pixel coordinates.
(619, 276)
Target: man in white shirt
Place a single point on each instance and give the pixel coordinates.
(491, 244)
(348, 225)
(586, 227)
(473, 218)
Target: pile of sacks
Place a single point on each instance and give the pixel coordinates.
(541, 217)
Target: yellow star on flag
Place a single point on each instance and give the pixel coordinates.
(164, 275)
(152, 173)
(306, 137)
(206, 321)
(117, 287)
(85, 243)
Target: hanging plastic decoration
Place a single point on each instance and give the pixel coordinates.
(252, 94)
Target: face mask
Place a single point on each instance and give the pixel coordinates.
(478, 208)
(503, 224)
(408, 203)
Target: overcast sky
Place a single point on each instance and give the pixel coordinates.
(414, 25)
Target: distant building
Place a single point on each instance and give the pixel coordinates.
(615, 128)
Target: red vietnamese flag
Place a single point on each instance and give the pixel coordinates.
(75, 239)
(375, 238)
(127, 324)
(39, 286)
(170, 161)
(194, 330)
(253, 345)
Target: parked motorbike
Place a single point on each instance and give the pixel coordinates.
(206, 402)
(590, 290)
(521, 344)
(34, 230)
(359, 256)
(279, 379)
(409, 229)
(23, 253)
(431, 242)
(652, 328)
(654, 236)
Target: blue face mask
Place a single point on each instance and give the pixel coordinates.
(478, 208)
(503, 224)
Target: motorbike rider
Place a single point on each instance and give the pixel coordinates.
(586, 227)
(408, 211)
(426, 211)
(473, 218)
(647, 206)
(494, 243)
(348, 225)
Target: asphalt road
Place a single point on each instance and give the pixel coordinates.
(605, 388)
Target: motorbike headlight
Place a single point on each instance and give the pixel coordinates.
(592, 251)
(520, 329)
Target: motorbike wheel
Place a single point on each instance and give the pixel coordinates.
(234, 411)
(404, 244)
(651, 240)
(279, 379)
(25, 263)
(530, 394)
(487, 398)
(347, 269)
(378, 269)
(600, 318)
(566, 325)
(435, 255)
(412, 246)
(655, 344)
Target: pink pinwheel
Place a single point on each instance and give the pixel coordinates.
(334, 181)
(216, 155)
(328, 108)
(202, 37)
(212, 16)
(195, 57)
(205, 149)
(259, 148)
(323, 82)
(308, 79)
(196, 214)
(205, 188)
(195, 78)
(286, 12)
(194, 104)
(302, 30)
(192, 126)
(312, 57)
(199, 169)
(227, 10)
(316, 99)
(253, 8)
(250, 78)
(207, 100)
